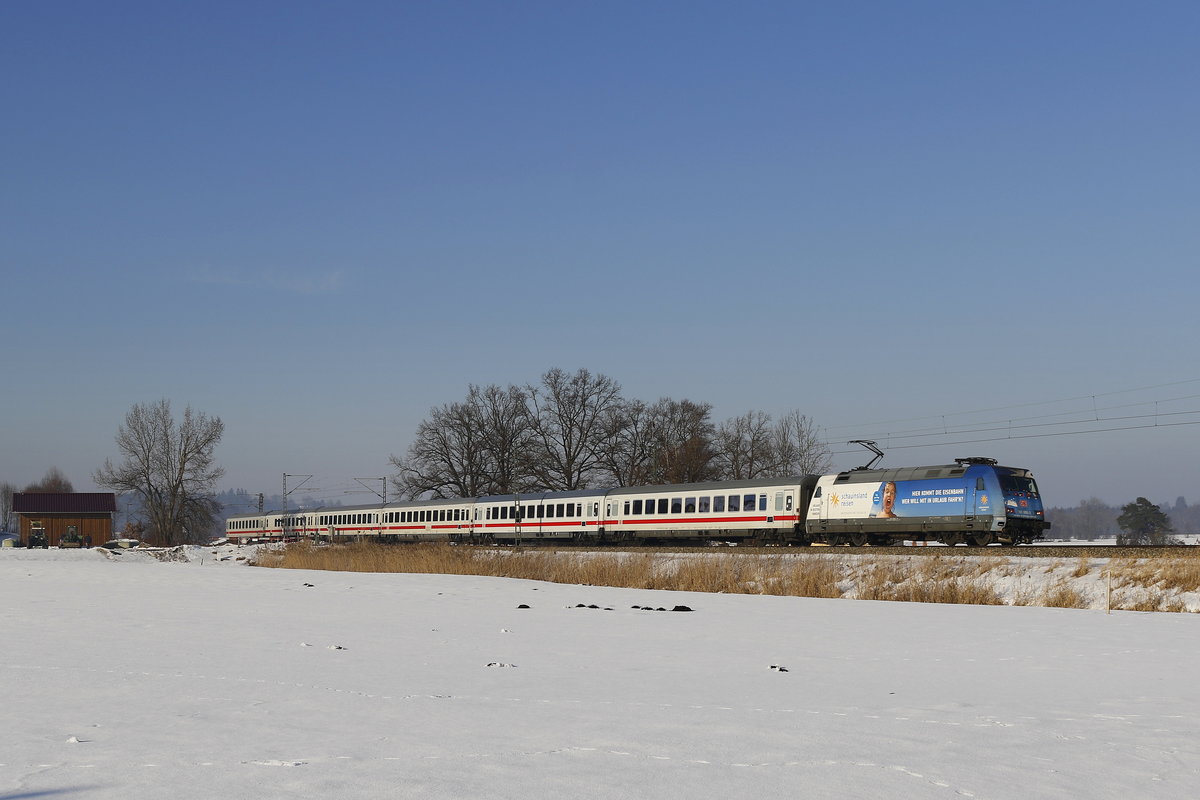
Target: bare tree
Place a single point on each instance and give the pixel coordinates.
(476, 447)
(169, 468)
(682, 438)
(53, 482)
(447, 457)
(798, 448)
(628, 455)
(6, 504)
(506, 436)
(746, 446)
(569, 418)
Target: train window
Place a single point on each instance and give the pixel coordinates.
(719, 503)
(703, 504)
(735, 503)
(561, 510)
(979, 485)
(789, 502)
(676, 505)
(662, 505)
(762, 502)
(779, 501)
(748, 503)
(637, 507)
(689, 505)
(817, 493)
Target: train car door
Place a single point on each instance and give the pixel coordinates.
(979, 500)
(817, 508)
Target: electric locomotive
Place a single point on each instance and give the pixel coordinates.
(974, 500)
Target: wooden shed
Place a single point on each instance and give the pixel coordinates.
(90, 514)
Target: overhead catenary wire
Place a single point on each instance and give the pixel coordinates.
(832, 430)
(942, 434)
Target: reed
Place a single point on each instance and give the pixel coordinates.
(1140, 584)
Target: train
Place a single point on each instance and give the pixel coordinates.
(973, 501)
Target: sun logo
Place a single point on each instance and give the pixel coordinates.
(835, 498)
(983, 499)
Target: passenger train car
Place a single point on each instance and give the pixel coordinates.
(973, 501)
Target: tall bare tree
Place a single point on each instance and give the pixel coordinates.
(447, 457)
(628, 455)
(170, 468)
(746, 446)
(569, 420)
(6, 503)
(798, 447)
(682, 437)
(506, 435)
(468, 449)
(53, 482)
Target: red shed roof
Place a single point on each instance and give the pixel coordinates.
(73, 503)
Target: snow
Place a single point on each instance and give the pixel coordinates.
(124, 677)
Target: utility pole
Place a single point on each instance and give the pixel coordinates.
(382, 497)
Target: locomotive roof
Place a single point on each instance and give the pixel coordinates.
(915, 473)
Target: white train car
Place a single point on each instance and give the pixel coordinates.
(428, 520)
(769, 509)
(566, 516)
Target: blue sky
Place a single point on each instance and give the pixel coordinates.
(318, 220)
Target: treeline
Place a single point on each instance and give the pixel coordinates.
(1094, 519)
(574, 431)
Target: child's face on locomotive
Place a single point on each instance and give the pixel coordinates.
(889, 495)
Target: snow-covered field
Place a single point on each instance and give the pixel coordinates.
(126, 678)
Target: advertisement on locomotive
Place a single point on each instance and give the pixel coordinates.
(923, 498)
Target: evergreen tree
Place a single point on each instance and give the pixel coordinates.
(1142, 522)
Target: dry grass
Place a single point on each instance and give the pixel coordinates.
(1140, 585)
(1061, 595)
(802, 577)
(935, 580)
(1179, 574)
